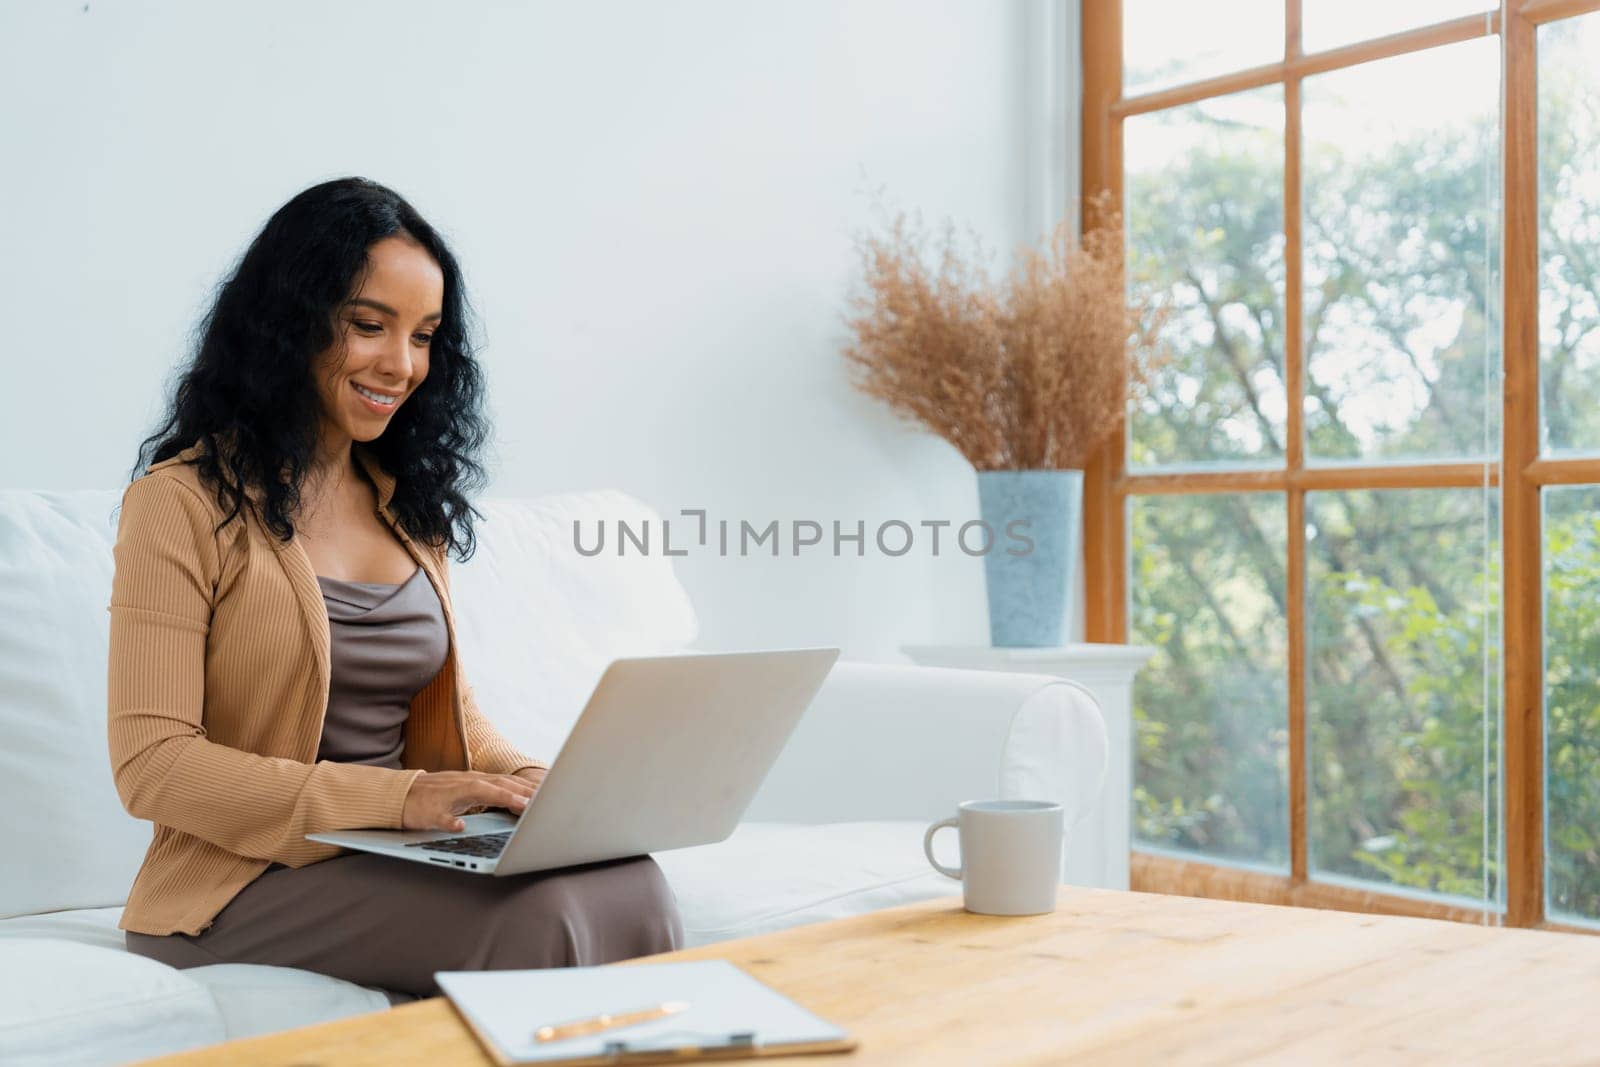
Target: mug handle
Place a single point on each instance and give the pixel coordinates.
(927, 848)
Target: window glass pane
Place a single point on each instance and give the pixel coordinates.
(1572, 701)
(1569, 234)
(1402, 255)
(1204, 196)
(1328, 24)
(1210, 718)
(1167, 43)
(1402, 707)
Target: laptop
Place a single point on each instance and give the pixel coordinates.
(668, 753)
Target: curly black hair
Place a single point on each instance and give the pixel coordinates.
(249, 396)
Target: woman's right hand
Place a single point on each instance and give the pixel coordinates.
(437, 798)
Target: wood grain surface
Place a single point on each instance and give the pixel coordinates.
(1108, 978)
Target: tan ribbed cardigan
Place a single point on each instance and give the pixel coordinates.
(217, 687)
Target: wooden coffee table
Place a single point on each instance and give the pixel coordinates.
(1109, 977)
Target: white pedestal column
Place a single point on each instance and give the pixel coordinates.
(1097, 850)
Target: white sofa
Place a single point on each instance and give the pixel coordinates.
(835, 830)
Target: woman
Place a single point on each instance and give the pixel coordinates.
(282, 654)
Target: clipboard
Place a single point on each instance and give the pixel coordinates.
(730, 1014)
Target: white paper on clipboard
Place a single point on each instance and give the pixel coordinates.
(727, 1010)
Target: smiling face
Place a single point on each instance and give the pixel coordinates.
(382, 335)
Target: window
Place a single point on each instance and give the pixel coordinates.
(1358, 510)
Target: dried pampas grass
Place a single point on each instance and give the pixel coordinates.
(1028, 374)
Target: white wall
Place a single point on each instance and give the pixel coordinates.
(654, 205)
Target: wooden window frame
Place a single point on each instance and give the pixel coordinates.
(1520, 471)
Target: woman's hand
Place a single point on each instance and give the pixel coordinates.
(436, 799)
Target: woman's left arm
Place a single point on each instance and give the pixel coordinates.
(491, 752)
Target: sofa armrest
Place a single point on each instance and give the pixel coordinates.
(888, 741)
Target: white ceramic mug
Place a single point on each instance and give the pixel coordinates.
(1010, 855)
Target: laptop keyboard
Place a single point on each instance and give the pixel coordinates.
(487, 845)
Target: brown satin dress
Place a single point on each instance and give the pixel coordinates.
(390, 924)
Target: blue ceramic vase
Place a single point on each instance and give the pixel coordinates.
(1035, 517)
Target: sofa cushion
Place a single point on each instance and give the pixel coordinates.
(251, 998)
(771, 876)
(538, 621)
(62, 1002)
(86, 926)
(257, 999)
(69, 843)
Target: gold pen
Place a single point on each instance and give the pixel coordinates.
(608, 1021)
